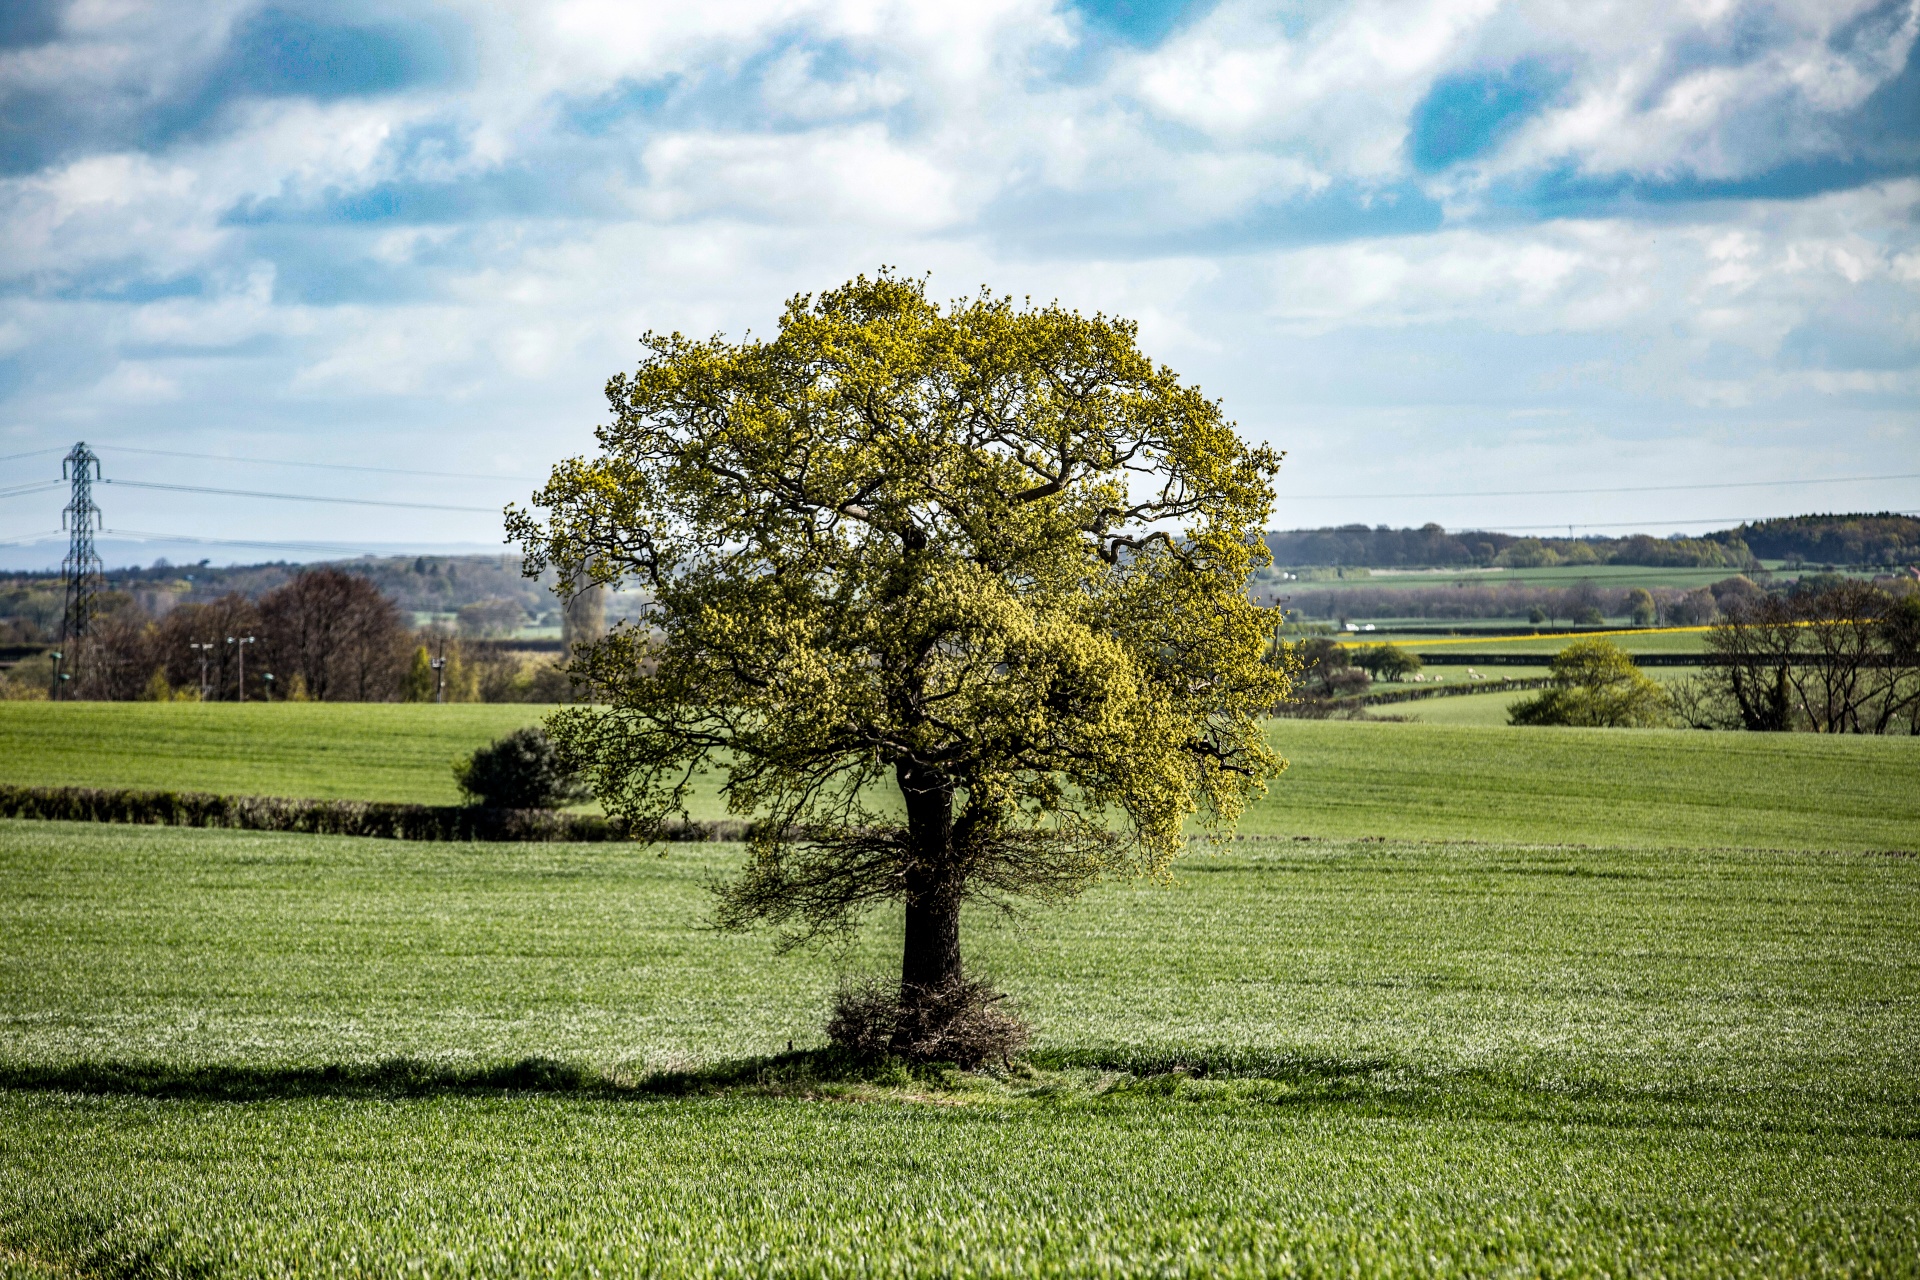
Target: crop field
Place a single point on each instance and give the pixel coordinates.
(299, 1054)
(1457, 777)
(1652, 640)
(1568, 1001)
(351, 751)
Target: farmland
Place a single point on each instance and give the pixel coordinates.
(1530, 1000)
(1345, 779)
(350, 751)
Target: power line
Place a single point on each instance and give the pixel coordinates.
(22, 490)
(1646, 488)
(322, 466)
(32, 453)
(300, 497)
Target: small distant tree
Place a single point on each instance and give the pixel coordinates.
(519, 771)
(1597, 685)
(1640, 607)
(993, 556)
(1387, 661)
(417, 684)
(1324, 675)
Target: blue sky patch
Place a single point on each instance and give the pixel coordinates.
(279, 54)
(1140, 22)
(1464, 117)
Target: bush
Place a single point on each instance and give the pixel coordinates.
(1387, 661)
(965, 1023)
(519, 771)
(1597, 685)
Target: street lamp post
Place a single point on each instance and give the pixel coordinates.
(267, 688)
(240, 648)
(205, 651)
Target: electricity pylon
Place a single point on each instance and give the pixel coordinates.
(84, 573)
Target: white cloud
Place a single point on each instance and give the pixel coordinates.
(804, 141)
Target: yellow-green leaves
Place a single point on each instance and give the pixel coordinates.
(994, 544)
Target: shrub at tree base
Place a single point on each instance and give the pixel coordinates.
(1596, 685)
(963, 1022)
(519, 771)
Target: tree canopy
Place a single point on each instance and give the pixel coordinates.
(1595, 683)
(951, 600)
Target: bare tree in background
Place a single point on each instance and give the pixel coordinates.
(1842, 660)
(338, 633)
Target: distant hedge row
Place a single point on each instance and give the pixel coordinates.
(331, 817)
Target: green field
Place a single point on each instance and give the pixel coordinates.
(1465, 775)
(1428, 1059)
(1598, 1002)
(318, 750)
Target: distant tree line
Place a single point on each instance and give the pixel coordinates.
(488, 594)
(1883, 539)
(1432, 546)
(1584, 603)
(324, 635)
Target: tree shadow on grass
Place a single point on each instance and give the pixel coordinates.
(797, 1073)
(1119, 1076)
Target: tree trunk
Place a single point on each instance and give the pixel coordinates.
(930, 949)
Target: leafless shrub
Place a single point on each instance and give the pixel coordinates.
(964, 1022)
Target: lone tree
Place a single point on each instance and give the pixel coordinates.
(993, 556)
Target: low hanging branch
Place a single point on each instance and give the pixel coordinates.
(992, 556)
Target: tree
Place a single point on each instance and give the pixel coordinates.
(994, 556)
(338, 634)
(1595, 684)
(1641, 608)
(520, 771)
(1387, 661)
(417, 684)
(1841, 659)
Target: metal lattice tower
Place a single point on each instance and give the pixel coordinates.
(84, 573)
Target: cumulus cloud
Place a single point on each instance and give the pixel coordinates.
(1364, 221)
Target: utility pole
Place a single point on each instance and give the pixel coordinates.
(84, 574)
(439, 665)
(240, 650)
(205, 650)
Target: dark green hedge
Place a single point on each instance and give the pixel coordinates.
(330, 817)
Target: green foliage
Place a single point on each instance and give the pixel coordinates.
(321, 1056)
(1387, 661)
(994, 556)
(1597, 687)
(417, 684)
(519, 771)
(1641, 608)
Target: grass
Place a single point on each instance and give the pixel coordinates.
(1646, 788)
(1568, 1001)
(1444, 778)
(322, 751)
(1421, 1058)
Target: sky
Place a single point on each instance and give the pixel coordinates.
(1530, 265)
